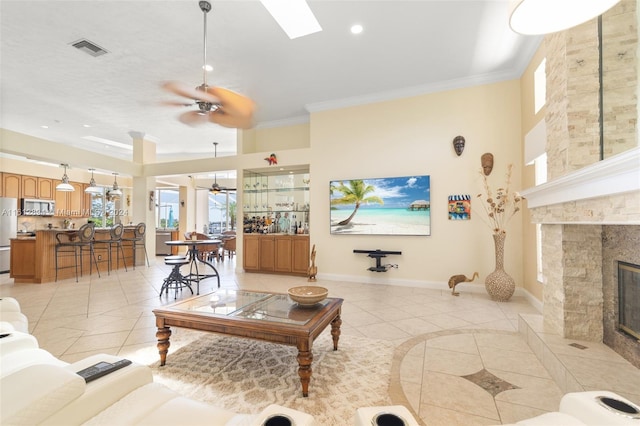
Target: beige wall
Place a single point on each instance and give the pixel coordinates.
(399, 138)
(414, 136)
(276, 138)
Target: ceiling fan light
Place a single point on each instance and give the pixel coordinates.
(535, 17)
(294, 17)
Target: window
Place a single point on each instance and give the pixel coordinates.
(103, 210)
(540, 86)
(222, 211)
(540, 164)
(167, 208)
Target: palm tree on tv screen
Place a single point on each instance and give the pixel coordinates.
(355, 193)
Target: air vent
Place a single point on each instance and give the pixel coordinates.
(89, 47)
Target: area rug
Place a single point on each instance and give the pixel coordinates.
(245, 375)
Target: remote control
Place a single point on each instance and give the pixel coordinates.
(102, 369)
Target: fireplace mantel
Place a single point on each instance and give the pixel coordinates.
(617, 176)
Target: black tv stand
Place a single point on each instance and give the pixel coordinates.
(378, 255)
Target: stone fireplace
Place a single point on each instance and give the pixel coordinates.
(590, 209)
(590, 222)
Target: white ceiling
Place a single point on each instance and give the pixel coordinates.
(406, 48)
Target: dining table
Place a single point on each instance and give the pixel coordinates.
(194, 259)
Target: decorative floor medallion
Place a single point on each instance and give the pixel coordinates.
(487, 381)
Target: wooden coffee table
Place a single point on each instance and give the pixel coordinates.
(271, 317)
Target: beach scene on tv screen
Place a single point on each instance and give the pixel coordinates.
(381, 206)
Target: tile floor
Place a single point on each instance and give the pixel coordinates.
(458, 361)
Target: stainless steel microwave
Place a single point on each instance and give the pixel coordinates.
(31, 207)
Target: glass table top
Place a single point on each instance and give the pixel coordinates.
(251, 305)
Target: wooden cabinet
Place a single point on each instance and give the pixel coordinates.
(70, 204)
(267, 254)
(29, 185)
(282, 253)
(251, 253)
(23, 260)
(300, 255)
(11, 185)
(276, 253)
(46, 190)
(36, 187)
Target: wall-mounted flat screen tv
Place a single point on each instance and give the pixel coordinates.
(381, 206)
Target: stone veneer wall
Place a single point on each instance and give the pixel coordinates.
(620, 243)
(572, 243)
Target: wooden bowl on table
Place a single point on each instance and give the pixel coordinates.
(308, 295)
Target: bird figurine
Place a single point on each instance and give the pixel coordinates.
(313, 269)
(457, 279)
(272, 159)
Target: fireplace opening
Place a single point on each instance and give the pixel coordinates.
(629, 298)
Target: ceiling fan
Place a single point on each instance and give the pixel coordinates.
(216, 188)
(215, 104)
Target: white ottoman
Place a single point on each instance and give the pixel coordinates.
(390, 415)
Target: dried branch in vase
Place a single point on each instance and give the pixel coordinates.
(501, 206)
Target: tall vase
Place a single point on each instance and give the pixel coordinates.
(499, 284)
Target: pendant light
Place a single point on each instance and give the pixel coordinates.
(93, 188)
(532, 17)
(65, 186)
(116, 191)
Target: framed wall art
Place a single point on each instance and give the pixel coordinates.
(459, 207)
(381, 206)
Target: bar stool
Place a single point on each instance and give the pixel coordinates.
(175, 281)
(115, 234)
(75, 243)
(138, 240)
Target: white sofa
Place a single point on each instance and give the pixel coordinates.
(36, 388)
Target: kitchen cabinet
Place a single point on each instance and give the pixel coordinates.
(23, 259)
(46, 189)
(71, 204)
(276, 253)
(37, 188)
(11, 185)
(29, 186)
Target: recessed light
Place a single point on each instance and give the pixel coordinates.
(356, 29)
(86, 125)
(45, 127)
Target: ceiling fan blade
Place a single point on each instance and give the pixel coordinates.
(176, 103)
(193, 118)
(182, 89)
(235, 110)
